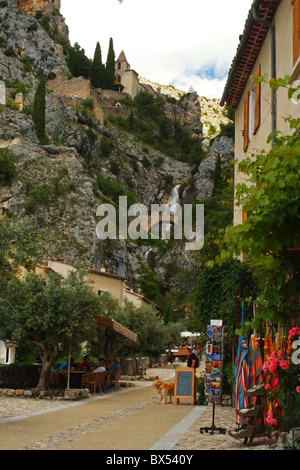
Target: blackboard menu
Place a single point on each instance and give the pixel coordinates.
(184, 384)
(214, 362)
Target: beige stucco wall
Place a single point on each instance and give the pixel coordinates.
(130, 83)
(104, 282)
(136, 299)
(283, 21)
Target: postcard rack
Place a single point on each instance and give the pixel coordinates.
(214, 371)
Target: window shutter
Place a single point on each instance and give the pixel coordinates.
(246, 121)
(296, 30)
(257, 101)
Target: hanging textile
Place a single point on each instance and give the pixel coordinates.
(256, 361)
(242, 368)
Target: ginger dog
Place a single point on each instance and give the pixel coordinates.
(164, 390)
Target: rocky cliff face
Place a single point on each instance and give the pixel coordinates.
(59, 182)
(31, 7)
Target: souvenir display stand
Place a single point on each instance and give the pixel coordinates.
(254, 414)
(214, 370)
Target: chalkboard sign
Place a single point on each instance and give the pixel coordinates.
(184, 384)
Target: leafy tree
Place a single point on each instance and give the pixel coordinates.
(110, 67)
(39, 111)
(153, 337)
(79, 64)
(20, 246)
(97, 69)
(269, 238)
(217, 291)
(47, 312)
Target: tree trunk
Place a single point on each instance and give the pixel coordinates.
(134, 365)
(48, 360)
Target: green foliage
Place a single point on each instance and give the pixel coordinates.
(106, 147)
(39, 111)
(97, 69)
(270, 234)
(114, 189)
(19, 87)
(153, 337)
(46, 314)
(88, 103)
(21, 245)
(217, 290)
(47, 194)
(151, 126)
(227, 129)
(78, 62)
(109, 82)
(7, 166)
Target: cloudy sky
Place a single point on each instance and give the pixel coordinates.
(184, 43)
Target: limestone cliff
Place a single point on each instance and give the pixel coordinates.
(31, 7)
(88, 160)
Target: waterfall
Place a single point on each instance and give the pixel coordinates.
(174, 198)
(172, 203)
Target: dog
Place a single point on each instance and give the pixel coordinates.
(164, 390)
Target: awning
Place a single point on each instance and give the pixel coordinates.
(116, 327)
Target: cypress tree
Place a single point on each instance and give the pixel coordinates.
(79, 64)
(39, 111)
(97, 69)
(110, 67)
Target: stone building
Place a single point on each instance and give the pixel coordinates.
(269, 45)
(127, 79)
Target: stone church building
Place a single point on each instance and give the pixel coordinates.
(127, 79)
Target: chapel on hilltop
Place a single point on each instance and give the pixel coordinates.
(127, 79)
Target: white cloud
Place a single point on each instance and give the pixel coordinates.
(167, 41)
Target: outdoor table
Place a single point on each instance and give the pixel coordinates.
(75, 378)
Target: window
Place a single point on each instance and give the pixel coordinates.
(296, 30)
(252, 110)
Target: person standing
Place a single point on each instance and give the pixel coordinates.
(192, 360)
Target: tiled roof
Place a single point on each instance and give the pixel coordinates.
(247, 51)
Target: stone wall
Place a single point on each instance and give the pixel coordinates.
(76, 87)
(123, 111)
(148, 362)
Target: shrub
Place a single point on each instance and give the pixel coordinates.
(39, 111)
(106, 147)
(7, 166)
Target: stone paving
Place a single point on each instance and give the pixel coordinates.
(11, 407)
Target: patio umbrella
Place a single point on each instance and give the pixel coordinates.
(186, 334)
(242, 367)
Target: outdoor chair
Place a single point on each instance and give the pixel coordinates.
(93, 381)
(107, 380)
(100, 380)
(115, 380)
(54, 381)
